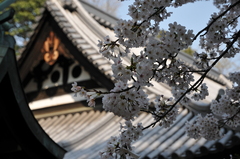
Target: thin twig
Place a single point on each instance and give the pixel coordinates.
(215, 19)
(123, 90)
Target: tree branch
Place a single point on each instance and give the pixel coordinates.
(236, 36)
(215, 19)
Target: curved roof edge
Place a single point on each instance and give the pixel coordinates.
(17, 120)
(100, 15)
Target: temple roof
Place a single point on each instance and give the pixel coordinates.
(79, 25)
(85, 134)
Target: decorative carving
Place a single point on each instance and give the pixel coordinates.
(50, 47)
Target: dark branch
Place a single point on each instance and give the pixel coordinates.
(236, 36)
(215, 19)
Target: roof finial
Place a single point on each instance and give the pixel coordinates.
(69, 5)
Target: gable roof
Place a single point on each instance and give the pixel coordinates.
(81, 28)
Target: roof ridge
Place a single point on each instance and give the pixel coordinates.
(91, 5)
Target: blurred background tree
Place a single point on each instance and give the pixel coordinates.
(189, 51)
(24, 18)
(226, 65)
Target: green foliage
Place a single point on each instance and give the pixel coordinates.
(189, 51)
(25, 15)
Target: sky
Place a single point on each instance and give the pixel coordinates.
(193, 15)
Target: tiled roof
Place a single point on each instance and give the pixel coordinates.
(84, 134)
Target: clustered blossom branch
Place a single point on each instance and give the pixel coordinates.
(157, 62)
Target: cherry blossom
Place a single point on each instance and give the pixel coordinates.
(125, 102)
(157, 61)
(206, 127)
(120, 147)
(75, 88)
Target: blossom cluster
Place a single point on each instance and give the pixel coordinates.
(228, 106)
(202, 93)
(120, 147)
(221, 28)
(162, 106)
(207, 127)
(125, 103)
(157, 61)
(82, 92)
(226, 110)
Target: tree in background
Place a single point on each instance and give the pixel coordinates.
(25, 17)
(224, 65)
(189, 51)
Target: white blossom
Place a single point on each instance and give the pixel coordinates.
(126, 104)
(206, 127)
(157, 61)
(120, 146)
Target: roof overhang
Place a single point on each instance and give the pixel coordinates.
(21, 135)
